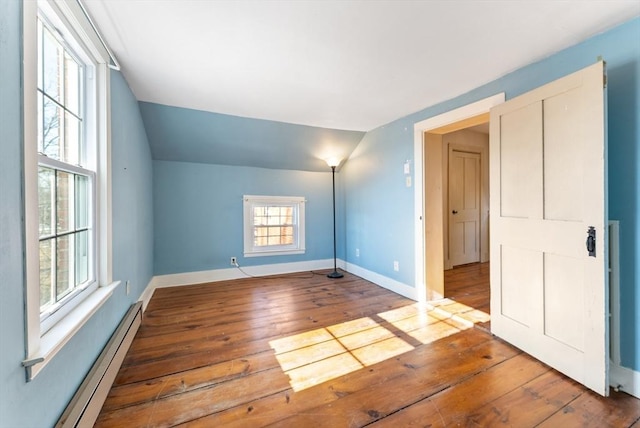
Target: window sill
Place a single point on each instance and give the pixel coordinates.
(273, 253)
(55, 339)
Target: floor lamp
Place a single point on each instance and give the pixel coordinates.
(333, 163)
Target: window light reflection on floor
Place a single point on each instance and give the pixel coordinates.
(323, 354)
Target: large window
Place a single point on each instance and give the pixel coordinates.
(273, 225)
(66, 173)
(66, 176)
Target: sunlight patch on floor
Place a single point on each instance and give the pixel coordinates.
(323, 354)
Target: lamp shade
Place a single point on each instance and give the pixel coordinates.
(333, 162)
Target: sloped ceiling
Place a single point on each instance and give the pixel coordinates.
(340, 65)
(185, 135)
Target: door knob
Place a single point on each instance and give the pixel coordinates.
(454, 212)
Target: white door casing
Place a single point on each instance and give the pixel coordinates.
(547, 187)
(464, 207)
(427, 190)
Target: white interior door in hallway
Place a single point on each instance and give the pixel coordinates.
(464, 207)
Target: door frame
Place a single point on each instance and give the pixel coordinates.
(428, 191)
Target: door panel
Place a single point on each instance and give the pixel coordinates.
(520, 276)
(562, 283)
(548, 297)
(520, 159)
(464, 207)
(563, 166)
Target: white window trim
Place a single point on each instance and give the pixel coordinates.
(41, 348)
(249, 249)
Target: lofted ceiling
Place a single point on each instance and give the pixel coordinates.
(335, 64)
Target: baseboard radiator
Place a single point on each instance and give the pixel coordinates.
(84, 407)
(614, 291)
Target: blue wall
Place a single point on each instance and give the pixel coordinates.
(39, 403)
(378, 205)
(198, 213)
(132, 194)
(377, 196)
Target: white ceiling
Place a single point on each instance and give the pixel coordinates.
(352, 65)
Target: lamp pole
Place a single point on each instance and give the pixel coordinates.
(335, 273)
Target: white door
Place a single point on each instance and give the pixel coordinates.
(548, 173)
(464, 207)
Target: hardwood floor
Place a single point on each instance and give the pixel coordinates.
(469, 285)
(304, 350)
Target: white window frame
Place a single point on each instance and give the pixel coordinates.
(298, 246)
(45, 338)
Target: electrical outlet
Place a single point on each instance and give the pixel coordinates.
(128, 288)
(396, 266)
(234, 261)
(357, 252)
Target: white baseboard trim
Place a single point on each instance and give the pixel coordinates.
(383, 281)
(216, 275)
(145, 297)
(624, 379)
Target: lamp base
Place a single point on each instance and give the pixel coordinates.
(335, 274)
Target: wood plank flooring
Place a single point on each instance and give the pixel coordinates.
(303, 350)
(469, 285)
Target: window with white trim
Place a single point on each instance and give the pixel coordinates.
(66, 172)
(273, 225)
(66, 175)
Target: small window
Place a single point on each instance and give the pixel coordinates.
(273, 225)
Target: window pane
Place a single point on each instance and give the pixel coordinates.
(286, 231)
(274, 240)
(71, 152)
(64, 202)
(64, 265)
(46, 194)
(82, 257)
(72, 84)
(47, 272)
(274, 231)
(261, 231)
(286, 240)
(273, 220)
(82, 201)
(273, 211)
(259, 220)
(52, 67)
(51, 132)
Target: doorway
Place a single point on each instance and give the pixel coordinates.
(465, 183)
(466, 218)
(429, 191)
